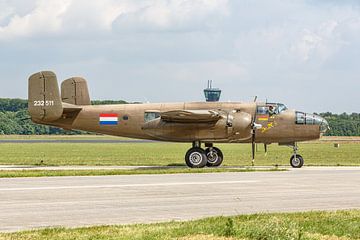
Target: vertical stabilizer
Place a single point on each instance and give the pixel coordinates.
(75, 91)
(44, 97)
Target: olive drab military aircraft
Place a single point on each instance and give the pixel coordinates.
(199, 123)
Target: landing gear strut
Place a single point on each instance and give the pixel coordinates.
(296, 160)
(196, 157)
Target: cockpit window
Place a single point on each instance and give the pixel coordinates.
(149, 116)
(271, 108)
(281, 107)
(300, 118)
(262, 110)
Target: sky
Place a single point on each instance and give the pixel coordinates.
(302, 53)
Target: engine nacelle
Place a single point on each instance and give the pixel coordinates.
(240, 123)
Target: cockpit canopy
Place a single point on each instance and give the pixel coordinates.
(271, 108)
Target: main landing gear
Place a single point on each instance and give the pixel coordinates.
(296, 160)
(196, 157)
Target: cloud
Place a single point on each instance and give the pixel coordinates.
(264, 48)
(165, 15)
(62, 17)
(92, 16)
(321, 43)
(45, 18)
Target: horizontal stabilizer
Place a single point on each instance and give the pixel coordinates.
(191, 116)
(68, 108)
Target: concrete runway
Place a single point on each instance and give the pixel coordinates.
(27, 203)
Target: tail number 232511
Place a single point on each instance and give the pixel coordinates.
(43, 103)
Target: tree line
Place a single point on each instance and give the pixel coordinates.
(343, 124)
(14, 119)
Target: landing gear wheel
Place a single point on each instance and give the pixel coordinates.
(296, 161)
(214, 157)
(196, 158)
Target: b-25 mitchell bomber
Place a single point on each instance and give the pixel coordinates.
(199, 123)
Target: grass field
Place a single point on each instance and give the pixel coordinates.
(165, 154)
(340, 225)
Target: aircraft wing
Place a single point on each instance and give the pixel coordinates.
(191, 116)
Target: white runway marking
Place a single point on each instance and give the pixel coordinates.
(124, 185)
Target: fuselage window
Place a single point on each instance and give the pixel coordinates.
(308, 119)
(149, 116)
(125, 117)
(300, 118)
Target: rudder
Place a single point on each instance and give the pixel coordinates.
(44, 97)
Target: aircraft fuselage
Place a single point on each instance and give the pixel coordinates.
(279, 128)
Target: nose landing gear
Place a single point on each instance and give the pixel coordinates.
(296, 160)
(196, 157)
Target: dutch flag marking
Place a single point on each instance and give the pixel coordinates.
(109, 119)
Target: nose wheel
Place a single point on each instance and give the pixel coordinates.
(196, 157)
(296, 160)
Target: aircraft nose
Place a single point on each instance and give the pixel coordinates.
(324, 125)
(312, 119)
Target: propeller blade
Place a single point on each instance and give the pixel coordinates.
(253, 150)
(254, 126)
(253, 146)
(265, 147)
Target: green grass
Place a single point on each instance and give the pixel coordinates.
(61, 173)
(309, 225)
(164, 154)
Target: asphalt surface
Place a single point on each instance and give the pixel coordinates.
(27, 203)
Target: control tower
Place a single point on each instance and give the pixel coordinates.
(212, 94)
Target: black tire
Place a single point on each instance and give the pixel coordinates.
(196, 158)
(297, 162)
(214, 157)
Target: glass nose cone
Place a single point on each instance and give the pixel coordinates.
(324, 126)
